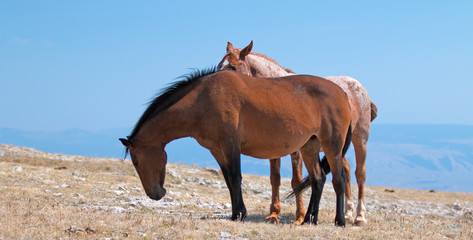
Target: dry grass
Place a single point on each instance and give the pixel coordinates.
(44, 196)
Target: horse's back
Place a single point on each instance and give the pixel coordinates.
(277, 94)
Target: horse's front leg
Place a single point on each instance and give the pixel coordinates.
(230, 165)
(275, 177)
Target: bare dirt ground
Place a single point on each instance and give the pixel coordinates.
(53, 196)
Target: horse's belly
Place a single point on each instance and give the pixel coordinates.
(273, 147)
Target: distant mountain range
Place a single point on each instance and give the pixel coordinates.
(438, 157)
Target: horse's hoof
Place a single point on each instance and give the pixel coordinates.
(239, 217)
(339, 224)
(360, 221)
(349, 218)
(272, 219)
(298, 222)
(311, 220)
(349, 214)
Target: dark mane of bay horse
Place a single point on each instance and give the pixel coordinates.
(167, 97)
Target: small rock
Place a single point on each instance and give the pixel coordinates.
(457, 207)
(389, 190)
(227, 205)
(212, 170)
(117, 209)
(19, 169)
(80, 179)
(122, 188)
(78, 195)
(225, 235)
(75, 174)
(47, 170)
(141, 233)
(119, 192)
(64, 185)
(168, 199)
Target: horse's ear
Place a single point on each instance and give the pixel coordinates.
(246, 50)
(229, 47)
(126, 142)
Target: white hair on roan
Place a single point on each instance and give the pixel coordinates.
(224, 64)
(266, 67)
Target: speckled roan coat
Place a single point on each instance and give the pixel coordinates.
(363, 111)
(231, 114)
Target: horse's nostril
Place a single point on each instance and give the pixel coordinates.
(157, 194)
(161, 192)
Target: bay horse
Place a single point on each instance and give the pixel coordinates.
(230, 114)
(363, 112)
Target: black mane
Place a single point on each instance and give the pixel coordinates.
(163, 100)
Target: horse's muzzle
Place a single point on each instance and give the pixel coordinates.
(157, 194)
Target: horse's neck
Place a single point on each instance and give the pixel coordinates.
(266, 67)
(167, 126)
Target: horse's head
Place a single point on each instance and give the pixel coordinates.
(235, 59)
(150, 163)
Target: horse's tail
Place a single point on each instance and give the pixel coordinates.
(374, 110)
(324, 165)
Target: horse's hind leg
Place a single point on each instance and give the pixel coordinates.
(296, 160)
(335, 144)
(349, 206)
(229, 162)
(275, 177)
(360, 143)
(311, 160)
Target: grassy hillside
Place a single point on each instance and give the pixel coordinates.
(50, 196)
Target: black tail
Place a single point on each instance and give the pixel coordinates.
(324, 165)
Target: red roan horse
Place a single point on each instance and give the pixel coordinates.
(231, 114)
(363, 111)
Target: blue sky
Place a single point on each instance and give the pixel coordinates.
(95, 64)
